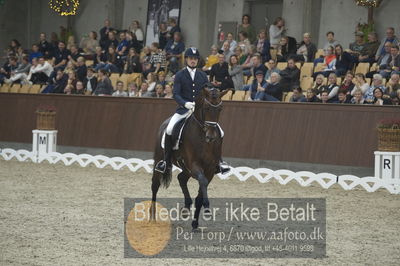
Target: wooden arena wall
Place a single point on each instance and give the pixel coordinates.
(309, 133)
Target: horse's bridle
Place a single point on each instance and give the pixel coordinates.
(206, 124)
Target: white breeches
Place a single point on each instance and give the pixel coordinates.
(21, 76)
(177, 117)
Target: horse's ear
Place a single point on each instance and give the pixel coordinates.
(223, 93)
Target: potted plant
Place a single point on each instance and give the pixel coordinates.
(389, 135)
(46, 117)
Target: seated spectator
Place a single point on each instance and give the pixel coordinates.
(248, 63)
(298, 96)
(393, 85)
(226, 51)
(112, 62)
(383, 61)
(211, 59)
(162, 35)
(144, 91)
(100, 57)
(45, 48)
(232, 43)
(81, 68)
(332, 88)
(151, 81)
(344, 61)
(393, 65)
(74, 55)
(42, 72)
(377, 82)
(132, 64)
(60, 56)
(174, 27)
(343, 97)
(319, 84)
(244, 42)
(257, 88)
(145, 56)
(311, 96)
(70, 39)
(284, 50)
(88, 44)
(90, 81)
(358, 97)
(271, 92)
(161, 79)
(70, 67)
(247, 28)
(271, 68)
(133, 42)
(79, 89)
(263, 46)
(119, 91)
(136, 29)
(395, 98)
(360, 84)
(8, 68)
(367, 54)
(157, 59)
(71, 83)
(173, 50)
(13, 47)
(57, 83)
(104, 86)
(132, 90)
(168, 91)
(357, 46)
(391, 38)
(277, 31)
(122, 47)
(331, 42)
(104, 34)
(306, 51)
(324, 97)
(240, 55)
(347, 84)
(236, 73)
(290, 76)
(159, 91)
(329, 62)
(379, 99)
(20, 73)
(35, 53)
(219, 74)
(111, 41)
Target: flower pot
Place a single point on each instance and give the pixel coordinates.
(389, 139)
(45, 120)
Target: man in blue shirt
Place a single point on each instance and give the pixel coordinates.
(174, 49)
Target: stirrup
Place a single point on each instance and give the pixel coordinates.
(161, 166)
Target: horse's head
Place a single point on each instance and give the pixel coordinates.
(208, 109)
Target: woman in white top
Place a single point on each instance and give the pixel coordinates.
(358, 97)
(277, 31)
(136, 29)
(360, 83)
(151, 80)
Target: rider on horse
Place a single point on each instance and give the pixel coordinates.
(188, 83)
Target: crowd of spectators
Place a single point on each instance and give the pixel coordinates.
(248, 63)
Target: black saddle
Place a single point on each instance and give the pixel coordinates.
(176, 133)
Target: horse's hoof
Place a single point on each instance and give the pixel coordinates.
(185, 213)
(207, 211)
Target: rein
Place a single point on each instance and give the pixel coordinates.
(206, 123)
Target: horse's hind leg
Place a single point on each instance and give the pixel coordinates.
(155, 185)
(183, 180)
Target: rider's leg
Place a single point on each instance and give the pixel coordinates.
(165, 166)
(222, 167)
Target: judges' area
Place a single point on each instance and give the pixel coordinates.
(292, 132)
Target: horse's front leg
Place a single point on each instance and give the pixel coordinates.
(183, 180)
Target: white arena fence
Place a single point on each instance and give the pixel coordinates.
(263, 175)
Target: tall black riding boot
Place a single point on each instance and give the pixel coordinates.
(165, 166)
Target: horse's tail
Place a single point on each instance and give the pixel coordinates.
(166, 180)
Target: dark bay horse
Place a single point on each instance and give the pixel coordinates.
(199, 153)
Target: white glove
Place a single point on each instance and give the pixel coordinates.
(189, 105)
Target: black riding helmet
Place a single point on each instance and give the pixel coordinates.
(192, 52)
